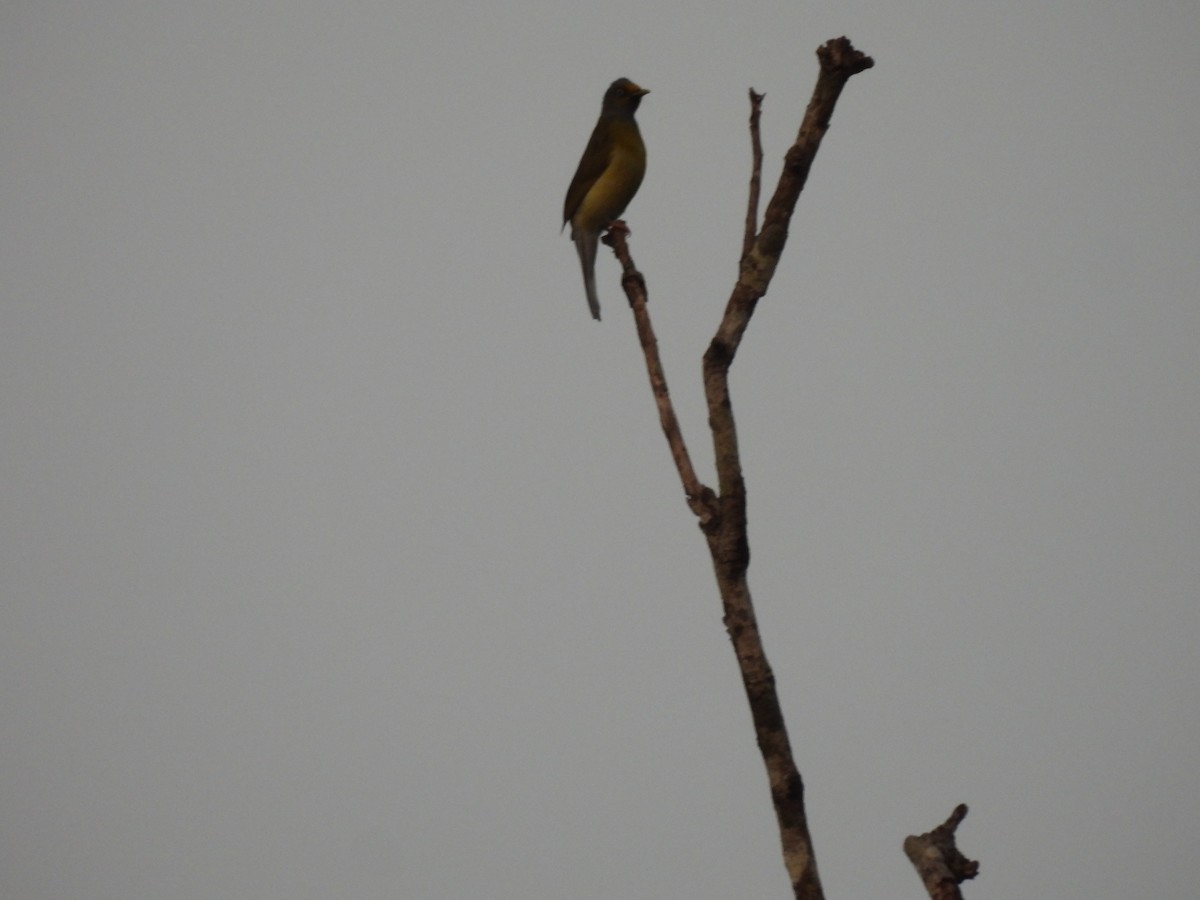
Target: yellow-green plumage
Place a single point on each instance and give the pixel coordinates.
(608, 176)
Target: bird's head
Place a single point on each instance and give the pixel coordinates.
(622, 98)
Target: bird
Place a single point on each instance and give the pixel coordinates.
(609, 174)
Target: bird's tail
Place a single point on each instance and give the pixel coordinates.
(587, 244)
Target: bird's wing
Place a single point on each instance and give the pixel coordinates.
(591, 166)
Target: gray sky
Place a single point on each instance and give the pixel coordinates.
(342, 555)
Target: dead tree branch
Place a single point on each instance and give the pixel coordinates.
(722, 513)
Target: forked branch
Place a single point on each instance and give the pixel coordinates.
(722, 513)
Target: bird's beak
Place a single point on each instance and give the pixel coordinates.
(640, 91)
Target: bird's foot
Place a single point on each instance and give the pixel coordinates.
(617, 227)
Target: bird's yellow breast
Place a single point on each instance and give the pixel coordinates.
(612, 191)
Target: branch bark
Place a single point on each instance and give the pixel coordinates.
(722, 513)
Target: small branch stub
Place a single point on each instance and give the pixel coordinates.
(938, 861)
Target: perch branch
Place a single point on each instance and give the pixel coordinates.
(700, 497)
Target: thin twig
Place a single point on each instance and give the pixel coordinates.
(756, 158)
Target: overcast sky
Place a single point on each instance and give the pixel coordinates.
(341, 555)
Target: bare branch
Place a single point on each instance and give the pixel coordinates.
(839, 61)
(940, 865)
